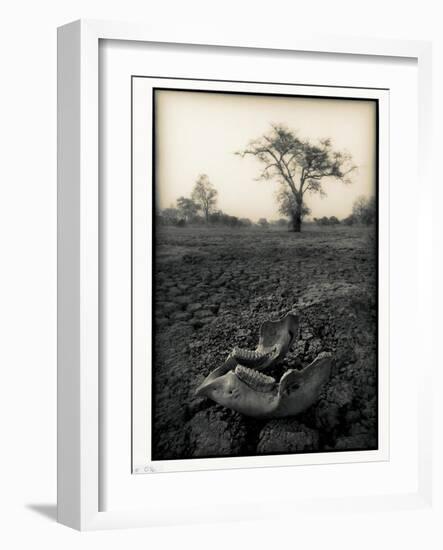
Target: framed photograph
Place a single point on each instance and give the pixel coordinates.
(264, 343)
(231, 275)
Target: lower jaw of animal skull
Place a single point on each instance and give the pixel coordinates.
(254, 394)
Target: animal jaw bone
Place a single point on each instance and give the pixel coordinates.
(276, 337)
(237, 385)
(260, 396)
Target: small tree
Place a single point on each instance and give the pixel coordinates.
(187, 208)
(358, 207)
(263, 222)
(170, 216)
(204, 195)
(364, 210)
(299, 164)
(333, 220)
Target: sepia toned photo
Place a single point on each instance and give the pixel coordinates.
(264, 274)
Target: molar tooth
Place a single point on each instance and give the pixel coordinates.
(254, 379)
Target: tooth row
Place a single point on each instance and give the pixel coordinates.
(251, 357)
(247, 354)
(256, 380)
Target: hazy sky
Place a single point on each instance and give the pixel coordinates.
(198, 133)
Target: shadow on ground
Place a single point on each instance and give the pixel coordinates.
(48, 511)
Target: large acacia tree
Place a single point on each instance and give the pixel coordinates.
(204, 195)
(299, 165)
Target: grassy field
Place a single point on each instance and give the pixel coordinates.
(213, 289)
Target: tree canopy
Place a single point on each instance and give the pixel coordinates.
(299, 165)
(205, 195)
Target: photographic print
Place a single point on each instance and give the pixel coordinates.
(264, 274)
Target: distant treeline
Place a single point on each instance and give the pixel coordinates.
(364, 212)
(200, 209)
(173, 216)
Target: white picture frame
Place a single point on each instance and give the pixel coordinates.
(81, 473)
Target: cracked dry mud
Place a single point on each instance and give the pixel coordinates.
(214, 288)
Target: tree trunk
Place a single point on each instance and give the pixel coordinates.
(296, 220)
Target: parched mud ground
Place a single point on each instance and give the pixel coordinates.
(214, 288)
